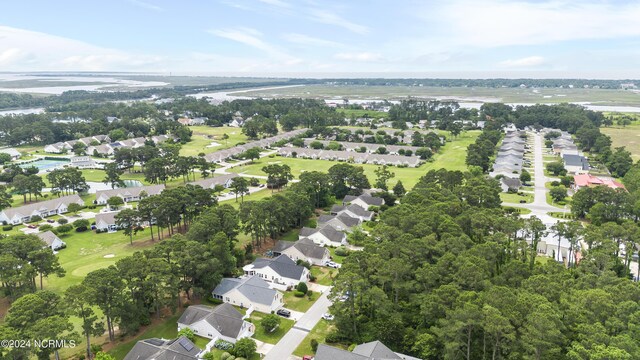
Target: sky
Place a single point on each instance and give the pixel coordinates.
(489, 38)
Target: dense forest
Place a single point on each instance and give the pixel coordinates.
(447, 274)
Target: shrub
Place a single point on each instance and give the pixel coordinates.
(81, 223)
(225, 356)
(314, 345)
(45, 227)
(312, 278)
(35, 218)
(62, 221)
(188, 333)
(342, 251)
(333, 337)
(245, 347)
(7, 227)
(298, 294)
(309, 294)
(209, 356)
(312, 224)
(302, 287)
(223, 345)
(62, 229)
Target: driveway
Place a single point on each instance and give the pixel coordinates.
(290, 341)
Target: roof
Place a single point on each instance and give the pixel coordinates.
(107, 217)
(27, 210)
(575, 160)
(253, 288)
(590, 180)
(326, 352)
(282, 245)
(224, 318)
(11, 151)
(161, 349)
(282, 265)
(309, 249)
(358, 210)
(48, 237)
(367, 199)
(213, 181)
(511, 183)
(131, 191)
(327, 231)
(375, 350)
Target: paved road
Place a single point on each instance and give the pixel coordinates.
(290, 341)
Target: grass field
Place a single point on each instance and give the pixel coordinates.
(452, 157)
(272, 337)
(629, 137)
(324, 275)
(517, 95)
(319, 332)
(203, 136)
(301, 304)
(515, 198)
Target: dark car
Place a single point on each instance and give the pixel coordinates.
(284, 313)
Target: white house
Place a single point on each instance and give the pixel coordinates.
(100, 150)
(43, 209)
(340, 222)
(251, 292)
(106, 221)
(281, 271)
(83, 162)
(363, 200)
(210, 183)
(223, 322)
(354, 211)
(15, 154)
(326, 236)
(304, 249)
(56, 148)
(51, 240)
(128, 194)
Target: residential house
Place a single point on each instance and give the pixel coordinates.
(83, 162)
(250, 292)
(51, 240)
(575, 164)
(103, 150)
(198, 121)
(157, 349)
(210, 183)
(56, 148)
(364, 201)
(185, 121)
(340, 222)
(128, 194)
(581, 181)
(304, 249)
(15, 154)
(280, 271)
(43, 209)
(237, 122)
(374, 350)
(106, 221)
(354, 211)
(326, 236)
(510, 184)
(111, 119)
(223, 322)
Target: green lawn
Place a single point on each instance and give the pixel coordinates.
(336, 258)
(86, 252)
(319, 332)
(452, 157)
(519, 210)
(258, 195)
(301, 304)
(628, 136)
(515, 198)
(324, 275)
(272, 337)
(203, 136)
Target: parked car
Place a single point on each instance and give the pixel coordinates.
(307, 357)
(327, 316)
(284, 313)
(31, 226)
(332, 264)
(50, 221)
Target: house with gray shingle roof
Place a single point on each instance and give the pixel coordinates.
(304, 249)
(374, 350)
(222, 322)
(249, 292)
(210, 183)
(106, 221)
(281, 271)
(363, 200)
(15, 154)
(354, 211)
(162, 349)
(326, 236)
(341, 221)
(51, 240)
(43, 209)
(128, 194)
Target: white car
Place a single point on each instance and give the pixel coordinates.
(327, 316)
(332, 264)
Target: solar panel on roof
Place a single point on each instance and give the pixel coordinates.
(186, 344)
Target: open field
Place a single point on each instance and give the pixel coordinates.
(510, 95)
(452, 157)
(203, 136)
(628, 136)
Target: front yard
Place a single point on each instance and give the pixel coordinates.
(324, 275)
(515, 198)
(319, 332)
(301, 304)
(272, 337)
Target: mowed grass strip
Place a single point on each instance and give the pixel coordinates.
(628, 136)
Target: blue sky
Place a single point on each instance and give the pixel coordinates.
(596, 38)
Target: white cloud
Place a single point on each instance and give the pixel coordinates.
(326, 17)
(30, 50)
(531, 61)
(359, 56)
(146, 5)
(278, 3)
(494, 23)
(253, 38)
(309, 40)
